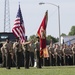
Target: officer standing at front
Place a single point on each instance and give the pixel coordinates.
(8, 52)
(17, 47)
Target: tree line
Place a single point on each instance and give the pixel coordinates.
(49, 37)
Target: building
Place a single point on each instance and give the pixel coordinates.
(67, 40)
(4, 35)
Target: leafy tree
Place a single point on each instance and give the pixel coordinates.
(63, 34)
(72, 31)
(32, 37)
(49, 38)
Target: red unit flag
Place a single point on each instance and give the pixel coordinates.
(42, 34)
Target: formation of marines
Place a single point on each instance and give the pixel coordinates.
(61, 55)
(26, 53)
(18, 53)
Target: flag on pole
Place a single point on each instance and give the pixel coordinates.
(42, 34)
(18, 28)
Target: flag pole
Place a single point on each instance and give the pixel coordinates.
(19, 3)
(58, 18)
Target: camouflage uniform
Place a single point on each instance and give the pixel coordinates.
(52, 56)
(58, 56)
(39, 59)
(68, 56)
(62, 55)
(3, 57)
(17, 47)
(26, 49)
(32, 50)
(73, 49)
(1, 53)
(8, 52)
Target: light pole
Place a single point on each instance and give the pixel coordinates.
(58, 17)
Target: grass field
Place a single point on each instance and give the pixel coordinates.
(51, 70)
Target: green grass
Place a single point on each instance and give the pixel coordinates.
(51, 70)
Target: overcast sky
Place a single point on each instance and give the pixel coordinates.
(33, 14)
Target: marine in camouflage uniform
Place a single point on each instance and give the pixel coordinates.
(58, 53)
(32, 50)
(3, 57)
(26, 49)
(8, 52)
(73, 49)
(68, 56)
(37, 49)
(17, 47)
(52, 55)
(62, 54)
(71, 55)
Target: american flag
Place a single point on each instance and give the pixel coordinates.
(18, 28)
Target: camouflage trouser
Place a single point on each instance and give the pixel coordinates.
(31, 59)
(39, 60)
(18, 59)
(26, 59)
(73, 59)
(3, 61)
(53, 60)
(59, 60)
(69, 60)
(8, 60)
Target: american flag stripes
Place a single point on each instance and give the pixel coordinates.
(18, 28)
